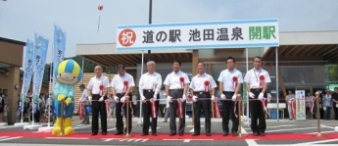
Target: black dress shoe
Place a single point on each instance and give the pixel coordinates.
(172, 134)
(154, 134)
(180, 134)
(208, 134)
(225, 134)
(94, 133)
(234, 133)
(255, 134)
(119, 133)
(262, 133)
(195, 134)
(145, 134)
(104, 133)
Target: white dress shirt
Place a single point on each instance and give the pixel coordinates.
(84, 96)
(173, 80)
(150, 82)
(226, 77)
(253, 78)
(198, 83)
(118, 82)
(94, 84)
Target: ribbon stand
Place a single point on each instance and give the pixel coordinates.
(239, 108)
(318, 118)
(127, 117)
(62, 117)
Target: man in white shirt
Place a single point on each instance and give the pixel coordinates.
(97, 94)
(83, 101)
(122, 86)
(230, 81)
(149, 87)
(257, 80)
(203, 90)
(176, 87)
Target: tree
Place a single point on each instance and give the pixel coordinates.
(333, 72)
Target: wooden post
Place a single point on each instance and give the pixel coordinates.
(194, 72)
(318, 118)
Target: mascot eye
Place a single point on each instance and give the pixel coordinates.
(74, 77)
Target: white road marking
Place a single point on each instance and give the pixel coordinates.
(251, 142)
(186, 140)
(279, 126)
(111, 129)
(5, 138)
(66, 138)
(156, 128)
(192, 130)
(326, 126)
(316, 142)
(110, 139)
(293, 129)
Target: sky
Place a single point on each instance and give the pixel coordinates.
(20, 19)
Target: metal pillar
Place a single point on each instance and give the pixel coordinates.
(150, 20)
(277, 82)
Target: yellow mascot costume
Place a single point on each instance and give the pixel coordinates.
(67, 74)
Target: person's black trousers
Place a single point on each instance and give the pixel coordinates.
(147, 112)
(175, 94)
(228, 110)
(257, 112)
(99, 108)
(120, 114)
(203, 102)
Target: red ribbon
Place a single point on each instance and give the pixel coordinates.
(216, 107)
(182, 82)
(293, 108)
(263, 101)
(235, 109)
(125, 84)
(206, 86)
(313, 104)
(80, 111)
(234, 81)
(180, 113)
(101, 89)
(153, 108)
(107, 108)
(261, 80)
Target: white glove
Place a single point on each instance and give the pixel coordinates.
(169, 98)
(212, 97)
(123, 99)
(234, 97)
(261, 96)
(143, 99)
(116, 99)
(89, 98)
(101, 98)
(194, 98)
(223, 96)
(251, 95)
(184, 97)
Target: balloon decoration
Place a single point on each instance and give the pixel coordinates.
(100, 8)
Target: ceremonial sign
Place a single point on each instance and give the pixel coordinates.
(226, 34)
(300, 105)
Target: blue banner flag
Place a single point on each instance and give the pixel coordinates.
(58, 49)
(28, 71)
(40, 56)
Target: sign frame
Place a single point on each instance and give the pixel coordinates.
(136, 45)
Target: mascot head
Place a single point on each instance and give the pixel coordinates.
(68, 72)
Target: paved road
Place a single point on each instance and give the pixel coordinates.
(278, 133)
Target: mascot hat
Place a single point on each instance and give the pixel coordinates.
(68, 72)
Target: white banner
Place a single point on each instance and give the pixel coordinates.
(300, 105)
(226, 34)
